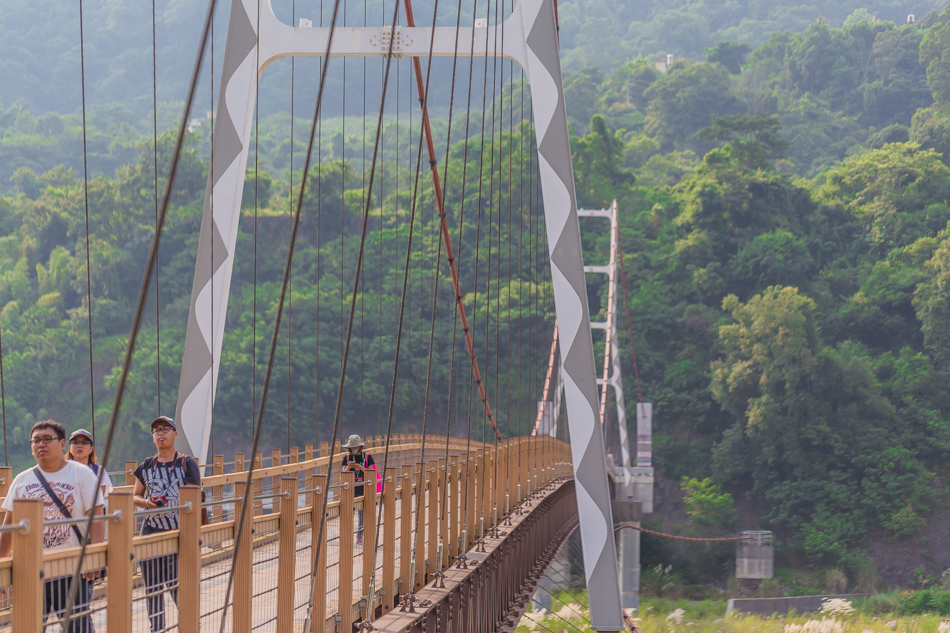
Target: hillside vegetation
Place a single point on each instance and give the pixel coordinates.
(785, 197)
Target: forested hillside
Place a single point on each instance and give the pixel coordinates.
(785, 198)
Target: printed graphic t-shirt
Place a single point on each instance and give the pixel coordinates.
(164, 480)
(74, 484)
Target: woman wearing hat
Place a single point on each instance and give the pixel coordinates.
(359, 462)
(83, 450)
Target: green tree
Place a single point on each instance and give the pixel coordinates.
(731, 55)
(754, 140)
(685, 100)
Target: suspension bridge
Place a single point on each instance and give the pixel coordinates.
(467, 521)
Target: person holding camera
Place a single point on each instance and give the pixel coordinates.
(157, 481)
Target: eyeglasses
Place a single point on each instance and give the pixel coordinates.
(81, 443)
(162, 430)
(40, 441)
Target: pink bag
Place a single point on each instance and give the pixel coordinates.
(379, 481)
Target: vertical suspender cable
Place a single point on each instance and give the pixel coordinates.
(290, 277)
(356, 280)
(257, 139)
(158, 324)
(211, 241)
(626, 305)
(85, 193)
(139, 310)
(440, 203)
(3, 403)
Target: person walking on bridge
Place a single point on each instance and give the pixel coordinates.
(67, 490)
(157, 481)
(359, 462)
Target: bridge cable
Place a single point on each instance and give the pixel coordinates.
(491, 201)
(290, 274)
(426, 130)
(555, 615)
(85, 193)
(139, 310)
(319, 271)
(276, 331)
(356, 281)
(626, 305)
(211, 240)
(257, 163)
(576, 612)
(3, 402)
(399, 331)
(509, 273)
(158, 328)
(425, 133)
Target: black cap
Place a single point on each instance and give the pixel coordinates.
(164, 420)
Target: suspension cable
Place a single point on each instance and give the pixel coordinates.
(3, 402)
(140, 309)
(402, 311)
(440, 202)
(158, 325)
(356, 280)
(85, 193)
(626, 305)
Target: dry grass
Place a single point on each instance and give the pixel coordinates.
(679, 620)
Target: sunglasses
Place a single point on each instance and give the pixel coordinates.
(81, 443)
(162, 430)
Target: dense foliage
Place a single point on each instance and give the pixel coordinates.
(784, 219)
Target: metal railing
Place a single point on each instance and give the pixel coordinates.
(272, 577)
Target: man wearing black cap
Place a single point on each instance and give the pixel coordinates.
(157, 481)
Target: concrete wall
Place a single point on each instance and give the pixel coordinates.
(799, 604)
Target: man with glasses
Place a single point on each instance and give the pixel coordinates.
(68, 490)
(157, 481)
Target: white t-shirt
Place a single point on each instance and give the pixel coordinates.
(74, 484)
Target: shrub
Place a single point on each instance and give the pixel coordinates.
(836, 581)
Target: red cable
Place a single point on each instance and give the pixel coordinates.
(626, 305)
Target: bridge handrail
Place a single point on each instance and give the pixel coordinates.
(282, 534)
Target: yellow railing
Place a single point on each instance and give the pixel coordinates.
(459, 495)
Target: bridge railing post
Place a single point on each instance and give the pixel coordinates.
(467, 500)
(500, 487)
(347, 535)
(287, 554)
(130, 466)
(405, 529)
(308, 476)
(453, 515)
(243, 577)
(257, 485)
(189, 560)
(369, 531)
(388, 588)
(119, 558)
(217, 492)
(318, 554)
(27, 611)
(276, 460)
(432, 504)
(419, 526)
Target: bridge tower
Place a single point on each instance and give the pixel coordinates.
(529, 37)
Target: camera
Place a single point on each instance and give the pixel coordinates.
(160, 501)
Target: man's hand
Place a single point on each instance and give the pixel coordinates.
(91, 576)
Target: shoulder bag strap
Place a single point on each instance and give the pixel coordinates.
(59, 504)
